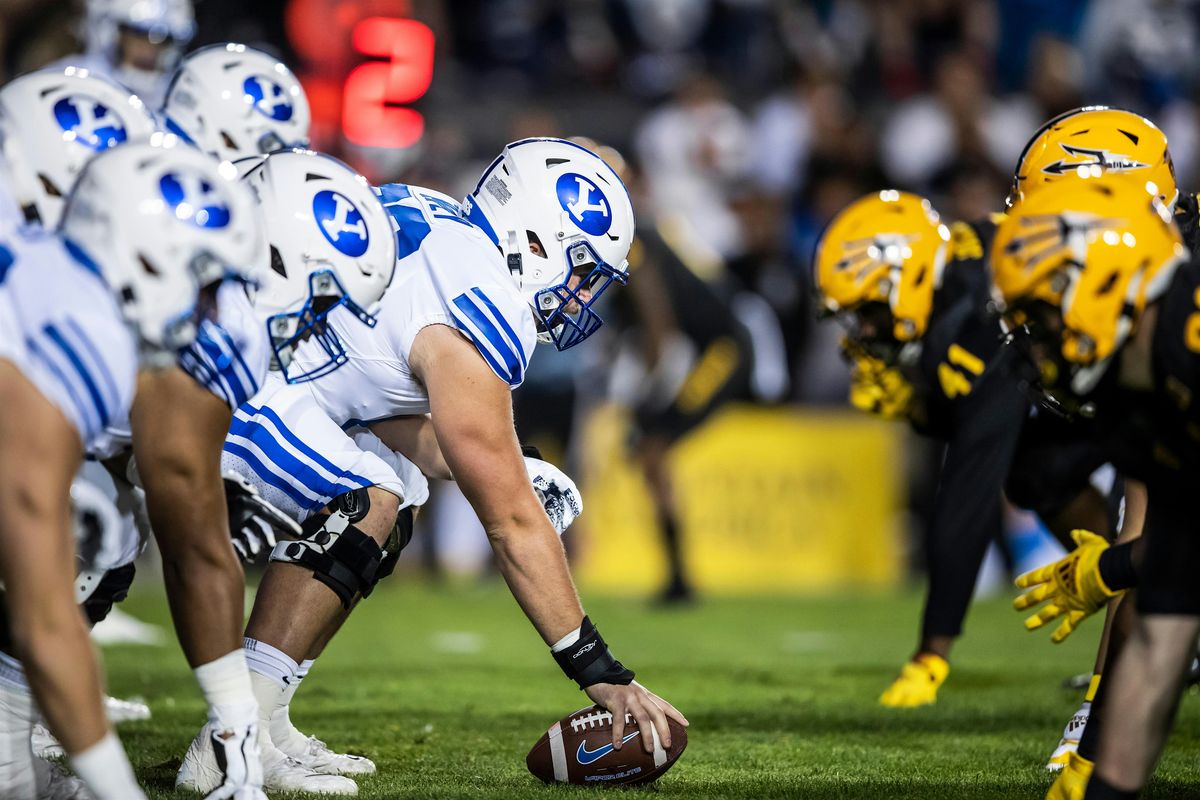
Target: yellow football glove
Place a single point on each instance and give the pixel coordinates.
(877, 388)
(1071, 783)
(1072, 586)
(918, 682)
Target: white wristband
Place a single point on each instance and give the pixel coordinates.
(565, 642)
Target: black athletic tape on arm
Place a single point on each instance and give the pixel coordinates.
(1116, 567)
(588, 661)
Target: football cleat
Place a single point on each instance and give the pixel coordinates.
(1069, 742)
(55, 783)
(316, 756)
(200, 771)
(117, 711)
(1072, 782)
(918, 682)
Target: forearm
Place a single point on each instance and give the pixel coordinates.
(530, 556)
(177, 441)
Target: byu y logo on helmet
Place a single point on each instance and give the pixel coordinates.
(341, 223)
(89, 122)
(194, 199)
(268, 97)
(584, 202)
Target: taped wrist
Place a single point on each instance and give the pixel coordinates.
(1116, 567)
(340, 556)
(588, 661)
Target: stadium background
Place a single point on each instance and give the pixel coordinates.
(753, 121)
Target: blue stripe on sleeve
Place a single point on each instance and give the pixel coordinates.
(80, 407)
(99, 362)
(76, 362)
(251, 378)
(512, 335)
(308, 452)
(511, 371)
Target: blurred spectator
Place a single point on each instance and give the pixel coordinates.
(693, 149)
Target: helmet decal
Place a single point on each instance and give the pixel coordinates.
(584, 203)
(268, 98)
(194, 200)
(341, 223)
(1088, 157)
(89, 122)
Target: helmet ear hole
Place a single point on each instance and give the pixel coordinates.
(277, 262)
(535, 245)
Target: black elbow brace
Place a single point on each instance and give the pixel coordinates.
(588, 661)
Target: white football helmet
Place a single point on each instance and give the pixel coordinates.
(161, 220)
(331, 244)
(556, 210)
(52, 122)
(233, 102)
(170, 24)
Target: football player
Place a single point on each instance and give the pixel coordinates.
(1080, 144)
(1091, 273)
(135, 42)
(914, 296)
(541, 238)
(68, 368)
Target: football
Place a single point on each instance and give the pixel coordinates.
(578, 749)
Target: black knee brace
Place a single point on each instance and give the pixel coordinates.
(340, 555)
(398, 539)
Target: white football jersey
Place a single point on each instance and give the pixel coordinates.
(229, 358)
(448, 272)
(61, 327)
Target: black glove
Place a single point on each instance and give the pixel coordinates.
(254, 524)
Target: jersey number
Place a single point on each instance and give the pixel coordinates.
(956, 371)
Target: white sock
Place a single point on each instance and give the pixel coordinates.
(269, 661)
(105, 768)
(283, 732)
(17, 713)
(226, 687)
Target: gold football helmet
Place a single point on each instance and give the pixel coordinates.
(886, 248)
(1091, 141)
(1077, 263)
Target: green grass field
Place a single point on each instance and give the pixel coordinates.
(447, 689)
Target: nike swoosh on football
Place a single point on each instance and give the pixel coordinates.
(585, 756)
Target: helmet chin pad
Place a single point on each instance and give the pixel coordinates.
(311, 321)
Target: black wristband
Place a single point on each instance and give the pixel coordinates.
(1116, 567)
(588, 661)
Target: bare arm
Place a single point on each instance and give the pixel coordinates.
(178, 431)
(415, 439)
(472, 418)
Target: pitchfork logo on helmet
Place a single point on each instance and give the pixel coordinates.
(268, 98)
(341, 223)
(194, 200)
(585, 203)
(1086, 157)
(89, 122)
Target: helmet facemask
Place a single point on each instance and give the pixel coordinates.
(565, 311)
(289, 329)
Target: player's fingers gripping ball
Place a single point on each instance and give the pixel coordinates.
(1071, 587)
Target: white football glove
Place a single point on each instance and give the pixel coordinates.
(558, 493)
(236, 749)
(253, 522)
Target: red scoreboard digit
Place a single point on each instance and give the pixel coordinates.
(363, 68)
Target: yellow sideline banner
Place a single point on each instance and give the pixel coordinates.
(772, 500)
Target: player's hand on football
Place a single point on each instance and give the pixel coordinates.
(254, 524)
(1071, 587)
(643, 705)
